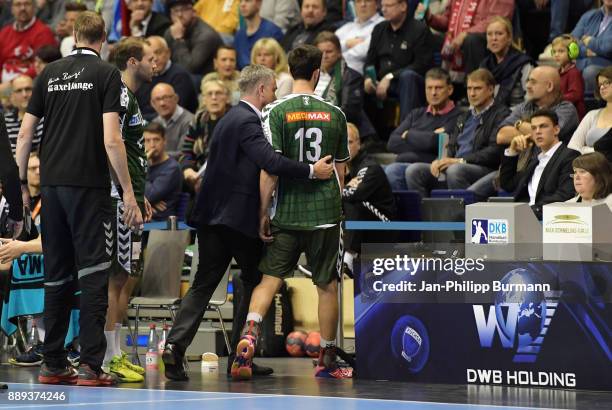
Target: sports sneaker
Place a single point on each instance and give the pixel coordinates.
(328, 366)
(90, 377)
(51, 375)
(242, 367)
(124, 374)
(33, 357)
(74, 357)
(133, 367)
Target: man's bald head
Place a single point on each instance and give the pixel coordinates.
(160, 50)
(544, 85)
(164, 100)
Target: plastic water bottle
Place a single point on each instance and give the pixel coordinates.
(33, 337)
(161, 345)
(152, 356)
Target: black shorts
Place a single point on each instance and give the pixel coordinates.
(77, 232)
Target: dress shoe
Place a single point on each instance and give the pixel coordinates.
(174, 363)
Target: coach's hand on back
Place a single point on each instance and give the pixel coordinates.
(323, 168)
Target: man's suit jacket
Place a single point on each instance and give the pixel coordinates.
(555, 185)
(229, 194)
(157, 25)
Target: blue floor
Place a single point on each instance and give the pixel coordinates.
(137, 399)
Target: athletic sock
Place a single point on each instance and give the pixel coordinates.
(327, 343)
(252, 325)
(117, 339)
(255, 317)
(110, 346)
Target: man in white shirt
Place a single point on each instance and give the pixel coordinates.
(546, 178)
(355, 36)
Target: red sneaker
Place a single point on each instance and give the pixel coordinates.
(90, 377)
(50, 375)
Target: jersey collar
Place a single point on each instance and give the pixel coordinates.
(86, 51)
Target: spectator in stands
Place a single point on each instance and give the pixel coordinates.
(254, 29)
(34, 185)
(400, 52)
(20, 40)
(45, 55)
(572, 84)
(313, 22)
(169, 73)
(21, 92)
(163, 187)
(546, 178)
(174, 118)
(366, 196)
(221, 15)
(465, 23)
(594, 32)
(592, 179)
(144, 22)
(283, 13)
(560, 13)
(52, 12)
(225, 70)
(416, 140)
(472, 147)
(193, 42)
(543, 92)
(65, 27)
(355, 36)
(338, 83)
(194, 152)
(597, 122)
(269, 53)
(509, 66)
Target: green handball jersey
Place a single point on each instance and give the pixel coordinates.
(132, 128)
(306, 128)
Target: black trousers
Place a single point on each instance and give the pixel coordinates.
(77, 240)
(217, 245)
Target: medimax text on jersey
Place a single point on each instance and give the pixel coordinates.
(412, 265)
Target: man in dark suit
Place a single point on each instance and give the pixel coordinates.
(144, 22)
(9, 185)
(546, 178)
(226, 213)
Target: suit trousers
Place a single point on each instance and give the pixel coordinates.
(217, 245)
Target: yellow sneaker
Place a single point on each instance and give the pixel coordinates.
(125, 374)
(133, 367)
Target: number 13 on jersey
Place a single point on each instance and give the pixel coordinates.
(312, 137)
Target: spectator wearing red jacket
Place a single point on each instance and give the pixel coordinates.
(572, 84)
(20, 40)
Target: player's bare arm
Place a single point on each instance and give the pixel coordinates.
(115, 150)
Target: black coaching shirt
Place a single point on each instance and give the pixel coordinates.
(72, 94)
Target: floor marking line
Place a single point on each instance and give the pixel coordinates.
(476, 405)
(30, 406)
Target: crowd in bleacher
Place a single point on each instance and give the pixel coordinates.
(449, 86)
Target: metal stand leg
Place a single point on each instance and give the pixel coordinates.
(340, 332)
(135, 357)
(227, 342)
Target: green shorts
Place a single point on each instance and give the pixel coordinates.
(323, 249)
(128, 246)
